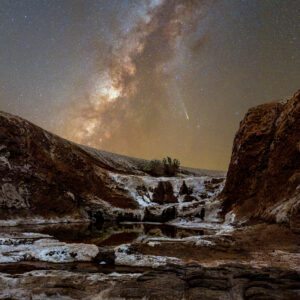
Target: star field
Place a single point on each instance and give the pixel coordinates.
(147, 78)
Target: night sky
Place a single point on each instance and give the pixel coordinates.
(147, 78)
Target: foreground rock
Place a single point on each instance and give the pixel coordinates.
(263, 179)
(34, 246)
(167, 282)
(183, 265)
(163, 193)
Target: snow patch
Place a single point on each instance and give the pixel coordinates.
(202, 242)
(153, 244)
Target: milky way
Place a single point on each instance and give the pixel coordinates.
(147, 78)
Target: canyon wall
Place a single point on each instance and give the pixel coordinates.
(263, 178)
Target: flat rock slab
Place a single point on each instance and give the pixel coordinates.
(37, 247)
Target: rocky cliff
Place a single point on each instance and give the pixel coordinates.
(263, 178)
(44, 175)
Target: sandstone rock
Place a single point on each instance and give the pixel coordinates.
(265, 160)
(189, 198)
(295, 217)
(106, 255)
(54, 251)
(124, 255)
(204, 196)
(163, 193)
(11, 198)
(216, 180)
(165, 282)
(43, 248)
(160, 214)
(185, 190)
(4, 163)
(210, 187)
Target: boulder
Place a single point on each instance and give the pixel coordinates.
(185, 190)
(160, 214)
(163, 193)
(189, 198)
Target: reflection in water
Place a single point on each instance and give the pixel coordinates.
(108, 235)
(111, 234)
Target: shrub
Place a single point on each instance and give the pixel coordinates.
(167, 166)
(171, 166)
(154, 168)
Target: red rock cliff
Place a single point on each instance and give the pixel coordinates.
(263, 179)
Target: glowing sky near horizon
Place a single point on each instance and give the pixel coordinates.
(147, 78)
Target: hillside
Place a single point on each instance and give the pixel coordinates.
(46, 177)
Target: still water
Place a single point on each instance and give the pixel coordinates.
(109, 234)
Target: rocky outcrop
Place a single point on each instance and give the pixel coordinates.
(163, 193)
(34, 246)
(165, 214)
(263, 178)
